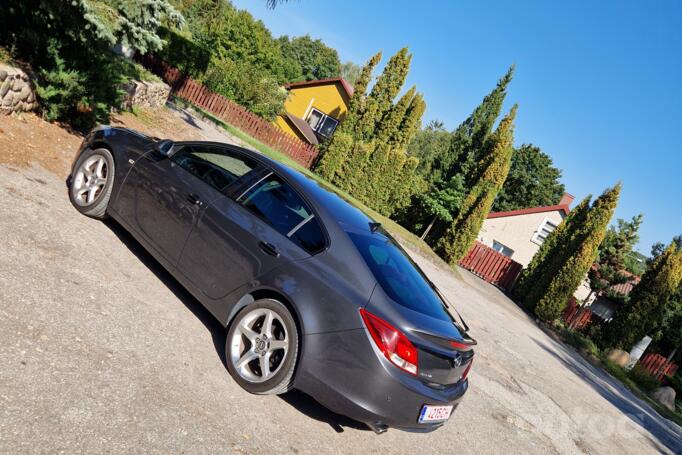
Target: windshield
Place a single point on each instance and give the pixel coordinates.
(398, 276)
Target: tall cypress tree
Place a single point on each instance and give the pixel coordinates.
(410, 123)
(380, 100)
(644, 313)
(552, 253)
(451, 167)
(389, 127)
(584, 249)
(469, 139)
(334, 153)
(488, 177)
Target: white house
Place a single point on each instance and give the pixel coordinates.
(518, 234)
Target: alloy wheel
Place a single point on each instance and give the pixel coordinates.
(89, 180)
(259, 345)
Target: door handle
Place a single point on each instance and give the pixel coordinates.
(268, 248)
(194, 199)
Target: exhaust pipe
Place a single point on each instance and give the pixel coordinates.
(377, 427)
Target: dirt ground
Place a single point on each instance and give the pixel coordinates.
(26, 138)
(101, 351)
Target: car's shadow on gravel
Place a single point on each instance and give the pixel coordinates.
(297, 399)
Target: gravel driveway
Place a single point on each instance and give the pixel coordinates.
(102, 351)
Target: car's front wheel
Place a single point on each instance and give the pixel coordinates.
(92, 182)
(262, 346)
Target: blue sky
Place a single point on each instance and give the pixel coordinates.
(598, 83)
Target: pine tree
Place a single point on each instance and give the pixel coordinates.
(334, 152)
(384, 91)
(545, 263)
(490, 174)
(644, 313)
(584, 248)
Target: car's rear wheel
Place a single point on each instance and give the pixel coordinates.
(262, 346)
(92, 182)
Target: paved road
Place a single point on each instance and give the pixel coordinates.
(102, 351)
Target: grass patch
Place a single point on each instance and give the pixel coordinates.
(403, 235)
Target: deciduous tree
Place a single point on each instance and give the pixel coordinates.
(533, 181)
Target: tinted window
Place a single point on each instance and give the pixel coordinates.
(309, 236)
(281, 207)
(216, 166)
(398, 276)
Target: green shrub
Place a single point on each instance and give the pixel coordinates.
(184, 54)
(616, 370)
(579, 341)
(643, 379)
(245, 85)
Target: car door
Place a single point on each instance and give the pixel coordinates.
(171, 193)
(237, 240)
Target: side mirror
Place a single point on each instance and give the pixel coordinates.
(164, 147)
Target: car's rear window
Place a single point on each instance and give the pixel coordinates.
(398, 276)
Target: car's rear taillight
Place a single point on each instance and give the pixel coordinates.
(395, 346)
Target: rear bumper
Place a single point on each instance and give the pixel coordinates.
(345, 373)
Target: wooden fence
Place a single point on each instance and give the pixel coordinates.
(183, 86)
(576, 316)
(657, 366)
(492, 266)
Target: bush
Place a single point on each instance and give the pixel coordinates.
(616, 370)
(643, 379)
(579, 341)
(184, 54)
(247, 86)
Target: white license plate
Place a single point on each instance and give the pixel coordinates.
(434, 413)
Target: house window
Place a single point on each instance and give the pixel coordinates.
(322, 123)
(502, 249)
(546, 228)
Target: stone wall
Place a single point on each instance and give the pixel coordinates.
(145, 94)
(16, 91)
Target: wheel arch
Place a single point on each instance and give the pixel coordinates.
(267, 293)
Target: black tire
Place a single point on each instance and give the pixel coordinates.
(282, 381)
(98, 207)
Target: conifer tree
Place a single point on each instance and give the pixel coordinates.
(469, 139)
(450, 168)
(334, 152)
(644, 313)
(389, 128)
(356, 104)
(584, 249)
(489, 175)
(552, 253)
(410, 124)
(384, 91)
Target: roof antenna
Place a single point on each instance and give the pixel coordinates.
(374, 226)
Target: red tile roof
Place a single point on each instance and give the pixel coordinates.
(333, 80)
(550, 208)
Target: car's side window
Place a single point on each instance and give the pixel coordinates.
(217, 166)
(276, 203)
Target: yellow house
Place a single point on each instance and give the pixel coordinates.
(314, 109)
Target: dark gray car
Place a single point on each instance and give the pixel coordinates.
(313, 293)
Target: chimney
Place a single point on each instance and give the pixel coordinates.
(566, 199)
